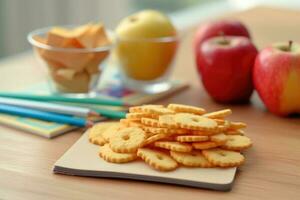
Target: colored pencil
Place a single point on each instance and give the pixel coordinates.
(58, 98)
(42, 115)
(106, 111)
(112, 114)
(50, 107)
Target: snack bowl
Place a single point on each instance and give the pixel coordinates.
(71, 66)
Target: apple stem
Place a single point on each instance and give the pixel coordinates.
(224, 41)
(290, 45)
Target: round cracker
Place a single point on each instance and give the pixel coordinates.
(127, 140)
(192, 138)
(218, 114)
(195, 122)
(220, 138)
(157, 110)
(99, 140)
(150, 122)
(237, 142)
(223, 158)
(139, 109)
(180, 108)
(167, 121)
(174, 146)
(205, 145)
(99, 128)
(110, 132)
(156, 159)
(137, 116)
(191, 159)
(237, 125)
(110, 156)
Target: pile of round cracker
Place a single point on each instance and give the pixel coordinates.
(168, 137)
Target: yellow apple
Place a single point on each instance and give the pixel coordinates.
(142, 52)
(146, 24)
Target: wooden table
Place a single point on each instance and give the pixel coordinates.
(272, 169)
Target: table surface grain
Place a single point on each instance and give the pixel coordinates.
(272, 169)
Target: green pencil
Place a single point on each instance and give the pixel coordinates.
(112, 114)
(85, 100)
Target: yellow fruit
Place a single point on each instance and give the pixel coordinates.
(145, 24)
(141, 53)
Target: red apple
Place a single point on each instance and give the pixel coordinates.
(212, 29)
(225, 65)
(276, 78)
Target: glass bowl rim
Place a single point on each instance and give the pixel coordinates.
(164, 39)
(44, 30)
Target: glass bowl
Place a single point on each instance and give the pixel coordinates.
(145, 64)
(69, 70)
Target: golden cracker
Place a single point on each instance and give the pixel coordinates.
(158, 130)
(127, 140)
(237, 125)
(139, 109)
(124, 122)
(204, 145)
(235, 132)
(168, 138)
(99, 140)
(136, 124)
(220, 138)
(150, 122)
(237, 142)
(157, 110)
(167, 121)
(127, 122)
(195, 122)
(192, 138)
(223, 158)
(110, 132)
(156, 159)
(174, 146)
(204, 133)
(110, 156)
(191, 159)
(180, 108)
(155, 130)
(218, 114)
(131, 123)
(220, 121)
(137, 116)
(99, 128)
(225, 126)
(178, 131)
(154, 138)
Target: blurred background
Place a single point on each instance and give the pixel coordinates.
(18, 17)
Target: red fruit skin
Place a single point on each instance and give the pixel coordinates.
(226, 71)
(270, 73)
(212, 29)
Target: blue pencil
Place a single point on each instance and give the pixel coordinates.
(42, 115)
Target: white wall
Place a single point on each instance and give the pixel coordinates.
(22, 16)
(18, 17)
